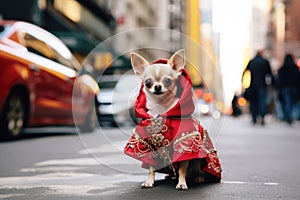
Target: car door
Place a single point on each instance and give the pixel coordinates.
(79, 90)
(51, 79)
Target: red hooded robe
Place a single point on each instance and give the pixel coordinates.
(174, 136)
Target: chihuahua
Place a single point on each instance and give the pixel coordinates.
(160, 89)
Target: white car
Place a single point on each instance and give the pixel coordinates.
(116, 99)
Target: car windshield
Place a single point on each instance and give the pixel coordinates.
(107, 84)
(36, 35)
(108, 81)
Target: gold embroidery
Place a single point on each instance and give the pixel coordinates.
(188, 142)
(213, 161)
(161, 150)
(138, 151)
(157, 125)
(158, 140)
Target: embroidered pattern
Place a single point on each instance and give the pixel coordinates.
(190, 142)
(213, 161)
(158, 147)
(141, 147)
(157, 125)
(160, 152)
(158, 140)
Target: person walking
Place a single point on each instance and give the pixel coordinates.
(288, 86)
(261, 76)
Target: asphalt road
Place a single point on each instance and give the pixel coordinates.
(259, 162)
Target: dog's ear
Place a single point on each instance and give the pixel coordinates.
(138, 63)
(177, 61)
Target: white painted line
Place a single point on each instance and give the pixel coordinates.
(6, 196)
(233, 182)
(271, 183)
(63, 162)
(92, 161)
(70, 190)
(252, 183)
(100, 150)
(114, 147)
(42, 178)
(51, 169)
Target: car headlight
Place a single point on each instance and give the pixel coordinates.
(90, 83)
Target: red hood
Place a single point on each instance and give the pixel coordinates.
(185, 105)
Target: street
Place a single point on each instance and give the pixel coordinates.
(259, 162)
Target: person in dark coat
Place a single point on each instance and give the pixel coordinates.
(261, 76)
(288, 85)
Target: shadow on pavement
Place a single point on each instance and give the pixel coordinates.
(39, 132)
(48, 132)
(164, 189)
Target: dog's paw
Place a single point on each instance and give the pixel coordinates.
(148, 184)
(181, 186)
(199, 179)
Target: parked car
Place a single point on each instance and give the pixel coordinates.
(37, 77)
(116, 99)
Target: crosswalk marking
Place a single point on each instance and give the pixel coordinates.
(252, 183)
(66, 176)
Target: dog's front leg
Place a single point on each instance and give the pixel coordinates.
(183, 165)
(150, 182)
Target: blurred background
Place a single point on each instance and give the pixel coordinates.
(229, 31)
(44, 88)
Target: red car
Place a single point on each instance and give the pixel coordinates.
(40, 82)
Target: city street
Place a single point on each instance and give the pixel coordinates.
(259, 162)
(68, 64)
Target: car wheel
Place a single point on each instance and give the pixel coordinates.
(13, 117)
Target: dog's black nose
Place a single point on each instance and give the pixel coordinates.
(157, 88)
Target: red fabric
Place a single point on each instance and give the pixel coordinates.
(179, 136)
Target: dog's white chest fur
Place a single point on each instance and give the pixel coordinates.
(157, 106)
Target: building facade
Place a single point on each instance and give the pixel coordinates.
(284, 30)
(142, 24)
(80, 24)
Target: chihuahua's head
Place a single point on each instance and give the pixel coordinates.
(159, 79)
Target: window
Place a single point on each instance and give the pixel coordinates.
(38, 47)
(48, 47)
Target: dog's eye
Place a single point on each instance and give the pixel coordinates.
(167, 82)
(148, 83)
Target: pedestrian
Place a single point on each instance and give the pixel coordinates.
(288, 86)
(261, 77)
